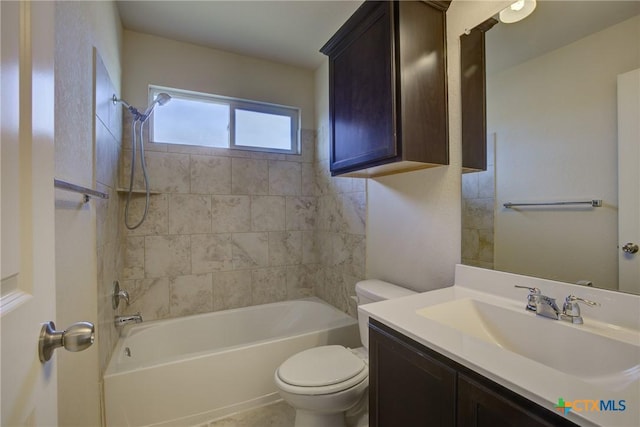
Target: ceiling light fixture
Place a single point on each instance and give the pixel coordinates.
(517, 11)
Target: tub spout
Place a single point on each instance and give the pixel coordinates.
(122, 321)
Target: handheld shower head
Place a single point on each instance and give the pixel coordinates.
(161, 99)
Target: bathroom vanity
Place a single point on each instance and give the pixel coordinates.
(472, 355)
(411, 384)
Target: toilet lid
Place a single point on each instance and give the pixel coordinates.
(320, 366)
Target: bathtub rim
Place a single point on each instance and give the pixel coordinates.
(116, 369)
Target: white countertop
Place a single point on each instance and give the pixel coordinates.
(618, 318)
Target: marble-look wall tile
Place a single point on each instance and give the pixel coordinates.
(231, 289)
(250, 250)
(211, 252)
(167, 256)
(106, 146)
(268, 213)
(157, 221)
(133, 258)
(167, 172)
(285, 178)
(190, 294)
(285, 248)
(470, 185)
(150, 297)
(470, 243)
(249, 176)
(301, 213)
(310, 250)
(308, 145)
(231, 228)
(477, 213)
(354, 210)
(189, 213)
(341, 227)
(309, 186)
(301, 279)
(269, 285)
(486, 183)
(210, 175)
(231, 214)
(478, 200)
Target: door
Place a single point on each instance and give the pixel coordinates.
(27, 262)
(628, 181)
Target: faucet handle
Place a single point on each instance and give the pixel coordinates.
(533, 291)
(532, 298)
(571, 309)
(572, 298)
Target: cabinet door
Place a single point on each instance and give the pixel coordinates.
(482, 405)
(407, 386)
(362, 101)
(473, 94)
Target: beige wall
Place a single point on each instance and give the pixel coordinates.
(79, 27)
(556, 125)
(155, 60)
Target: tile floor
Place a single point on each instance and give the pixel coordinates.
(280, 414)
(275, 415)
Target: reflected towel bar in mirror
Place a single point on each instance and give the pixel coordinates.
(592, 203)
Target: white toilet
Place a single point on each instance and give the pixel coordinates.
(321, 383)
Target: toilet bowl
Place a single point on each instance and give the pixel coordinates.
(321, 383)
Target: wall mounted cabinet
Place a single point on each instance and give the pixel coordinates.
(412, 385)
(388, 89)
(473, 94)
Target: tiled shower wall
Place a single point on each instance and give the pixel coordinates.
(341, 222)
(226, 229)
(108, 142)
(478, 200)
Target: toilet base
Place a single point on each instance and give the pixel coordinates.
(315, 419)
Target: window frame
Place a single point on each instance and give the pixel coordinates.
(294, 113)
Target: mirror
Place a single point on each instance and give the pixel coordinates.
(552, 125)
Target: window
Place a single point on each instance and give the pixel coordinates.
(193, 118)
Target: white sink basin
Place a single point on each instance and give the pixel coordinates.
(572, 350)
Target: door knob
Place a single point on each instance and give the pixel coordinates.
(76, 337)
(630, 248)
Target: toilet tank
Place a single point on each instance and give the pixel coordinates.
(373, 290)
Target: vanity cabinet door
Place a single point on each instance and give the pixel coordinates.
(484, 404)
(407, 387)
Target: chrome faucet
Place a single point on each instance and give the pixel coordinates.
(542, 305)
(546, 306)
(122, 321)
(571, 309)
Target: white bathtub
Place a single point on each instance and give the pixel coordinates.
(194, 369)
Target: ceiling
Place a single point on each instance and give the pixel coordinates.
(553, 24)
(290, 32)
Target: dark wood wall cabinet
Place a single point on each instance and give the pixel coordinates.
(388, 89)
(473, 95)
(412, 385)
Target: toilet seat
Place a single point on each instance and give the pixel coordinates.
(321, 370)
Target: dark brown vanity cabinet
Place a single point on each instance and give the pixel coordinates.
(411, 385)
(473, 95)
(388, 90)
